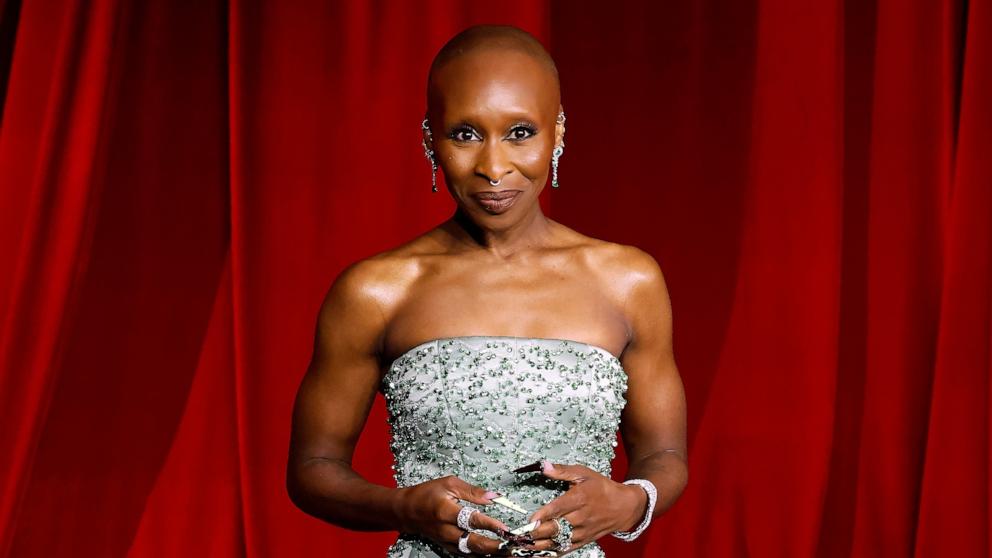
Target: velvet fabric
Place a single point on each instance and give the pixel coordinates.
(180, 182)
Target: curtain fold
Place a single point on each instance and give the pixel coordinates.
(911, 149)
(953, 515)
(180, 184)
(50, 154)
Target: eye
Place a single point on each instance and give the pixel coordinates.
(522, 132)
(463, 134)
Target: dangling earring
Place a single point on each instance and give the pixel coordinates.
(557, 153)
(429, 153)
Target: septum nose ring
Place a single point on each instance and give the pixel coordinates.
(496, 182)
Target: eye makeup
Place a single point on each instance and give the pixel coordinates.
(463, 128)
(524, 126)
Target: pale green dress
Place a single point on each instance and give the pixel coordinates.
(480, 406)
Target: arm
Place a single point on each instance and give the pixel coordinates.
(332, 405)
(653, 423)
(331, 408)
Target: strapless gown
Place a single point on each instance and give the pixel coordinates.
(480, 406)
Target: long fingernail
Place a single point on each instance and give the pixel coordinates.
(511, 538)
(506, 502)
(517, 551)
(535, 466)
(548, 466)
(489, 495)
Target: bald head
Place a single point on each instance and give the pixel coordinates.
(493, 106)
(490, 38)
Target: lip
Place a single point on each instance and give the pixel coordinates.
(497, 201)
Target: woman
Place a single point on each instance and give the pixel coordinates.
(502, 340)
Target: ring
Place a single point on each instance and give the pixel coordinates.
(463, 543)
(464, 516)
(563, 538)
(557, 527)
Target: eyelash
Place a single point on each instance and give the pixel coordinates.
(455, 133)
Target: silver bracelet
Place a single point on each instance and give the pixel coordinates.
(648, 487)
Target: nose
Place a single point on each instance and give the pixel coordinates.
(493, 162)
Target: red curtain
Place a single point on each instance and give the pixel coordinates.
(180, 183)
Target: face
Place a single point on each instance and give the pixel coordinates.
(493, 118)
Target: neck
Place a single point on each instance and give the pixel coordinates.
(532, 230)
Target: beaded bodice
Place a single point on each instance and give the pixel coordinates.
(480, 406)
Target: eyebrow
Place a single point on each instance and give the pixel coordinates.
(520, 119)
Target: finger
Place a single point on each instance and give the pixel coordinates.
(543, 544)
(580, 530)
(547, 529)
(548, 543)
(449, 535)
(478, 544)
(481, 544)
(568, 502)
(520, 534)
(478, 519)
(470, 492)
(568, 473)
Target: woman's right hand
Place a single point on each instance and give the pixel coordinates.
(431, 509)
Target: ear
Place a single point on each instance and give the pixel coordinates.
(559, 128)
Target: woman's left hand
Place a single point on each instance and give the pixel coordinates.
(594, 505)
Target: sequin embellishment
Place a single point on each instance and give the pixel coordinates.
(480, 406)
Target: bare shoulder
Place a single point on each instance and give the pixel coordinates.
(626, 268)
(626, 261)
(361, 298)
(635, 281)
(647, 304)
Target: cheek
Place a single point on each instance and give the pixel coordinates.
(532, 162)
(457, 162)
(460, 163)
